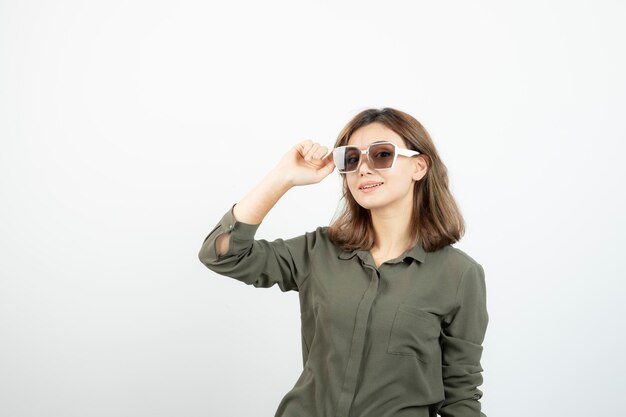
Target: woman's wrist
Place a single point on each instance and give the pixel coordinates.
(280, 180)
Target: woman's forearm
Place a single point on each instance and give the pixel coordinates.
(253, 208)
(255, 205)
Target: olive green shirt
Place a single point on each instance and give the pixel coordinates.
(404, 339)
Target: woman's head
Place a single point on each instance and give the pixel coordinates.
(418, 183)
(396, 181)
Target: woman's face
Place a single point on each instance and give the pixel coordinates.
(397, 182)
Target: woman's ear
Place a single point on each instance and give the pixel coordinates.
(420, 168)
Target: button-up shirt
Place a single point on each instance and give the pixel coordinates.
(398, 340)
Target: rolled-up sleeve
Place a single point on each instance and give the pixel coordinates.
(260, 263)
(461, 343)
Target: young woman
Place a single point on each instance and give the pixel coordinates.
(393, 317)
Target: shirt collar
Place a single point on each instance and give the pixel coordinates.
(416, 252)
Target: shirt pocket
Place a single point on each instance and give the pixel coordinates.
(415, 332)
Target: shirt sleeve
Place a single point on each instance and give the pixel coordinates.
(260, 263)
(461, 343)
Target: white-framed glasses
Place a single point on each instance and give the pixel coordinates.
(381, 155)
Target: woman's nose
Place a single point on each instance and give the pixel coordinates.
(364, 166)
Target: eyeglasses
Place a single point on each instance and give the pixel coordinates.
(381, 155)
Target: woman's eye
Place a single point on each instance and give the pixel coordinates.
(352, 160)
(383, 154)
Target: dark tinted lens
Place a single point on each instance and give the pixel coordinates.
(351, 158)
(381, 155)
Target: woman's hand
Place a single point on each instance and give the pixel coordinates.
(298, 170)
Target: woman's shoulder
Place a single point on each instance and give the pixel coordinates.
(319, 231)
(451, 257)
(318, 235)
(318, 238)
(460, 255)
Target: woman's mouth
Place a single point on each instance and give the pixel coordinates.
(370, 188)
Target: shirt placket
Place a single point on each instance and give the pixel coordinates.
(358, 339)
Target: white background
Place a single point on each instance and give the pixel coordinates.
(128, 128)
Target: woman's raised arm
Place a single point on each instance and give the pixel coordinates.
(253, 208)
(230, 248)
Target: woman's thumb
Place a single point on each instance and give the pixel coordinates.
(329, 167)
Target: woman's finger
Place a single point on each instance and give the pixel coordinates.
(309, 155)
(321, 151)
(306, 146)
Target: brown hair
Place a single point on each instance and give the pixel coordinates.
(436, 220)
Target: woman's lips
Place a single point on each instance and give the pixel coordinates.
(370, 189)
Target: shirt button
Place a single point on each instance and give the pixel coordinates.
(230, 227)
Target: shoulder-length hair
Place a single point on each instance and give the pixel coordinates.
(436, 220)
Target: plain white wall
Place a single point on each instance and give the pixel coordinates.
(128, 128)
